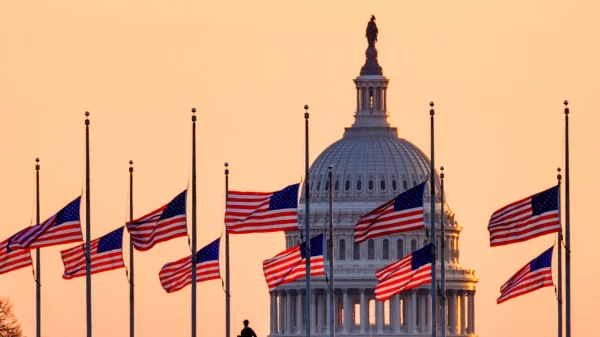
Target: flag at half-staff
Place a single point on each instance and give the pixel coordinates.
(13, 257)
(260, 212)
(163, 224)
(526, 219)
(401, 214)
(534, 275)
(407, 273)
(289, 265)
(177, 275)
(106, 253)
(61, 228)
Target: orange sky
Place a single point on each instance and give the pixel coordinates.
(497, 70)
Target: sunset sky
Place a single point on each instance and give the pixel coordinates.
(498, 72)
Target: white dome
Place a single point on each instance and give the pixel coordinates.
(374, 167)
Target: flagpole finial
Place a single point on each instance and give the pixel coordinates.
(566, 103)
(131, 162)
(442, 174)
(194, 114)
(226, 168)
(131, 166)
(431, 111)
(306, 111)
(37, 164)
(87, 118)
(558, 176)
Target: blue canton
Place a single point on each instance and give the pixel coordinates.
(175, 207)
(209, 253)
(421, 257)
(286, 198)
(316, 246)
(68, 213)
(412, 198)
(542, 261)
(545, 201)
(111, 241)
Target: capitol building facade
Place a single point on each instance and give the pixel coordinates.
(372, 165)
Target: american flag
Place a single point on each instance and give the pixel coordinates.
(106, 253)
(401, 214)
(177, 275)
(258, 212)
(533, 276)
(13, 258)
(61, 228)
(163, 224)
(290, 264)
(407, 273)
(526, 219)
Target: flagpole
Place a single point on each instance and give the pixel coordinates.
(331, 245)
(131, 274)
(227, 296)
(433, 238)
(38, 263)
(559, 290)
(194, 223)
(443, 258)
(307, 214)
(567, 226)
(88, 269)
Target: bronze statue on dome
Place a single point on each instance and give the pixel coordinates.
(372, 32)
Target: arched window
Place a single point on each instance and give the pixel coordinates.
(342, 253)
(327, 185)
(394, 185)
(337, 185)
(347, 187)
(386, 249)
(371, 249)
(413, 245)
(414, 183)
(328, 250)
(399, 249)
(371, 185)
(356, 251)
(318, 185)
(425, 243)
(358, 185)
(405, 184)
(382, 185)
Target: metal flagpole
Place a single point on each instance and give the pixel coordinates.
(307, 214)
(433, 238)
(560, 285)
(227, 296)
(194, 222)
(88, 269)
(131, 274)
(443, 258)
(567, 226)
(38, 263)
(331, 245)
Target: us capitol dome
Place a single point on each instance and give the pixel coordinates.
(372, 165)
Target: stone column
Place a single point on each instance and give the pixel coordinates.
(363, 311)
(312, 311)
(385, 99)
(413, 312)
(423, 313)
(288, 312)
(472, 311)
(281, 320)
(379, 316)
(299, 322)
(273, 313)
(462, 312)
(451, 311)
(395, 313)
(346, 313)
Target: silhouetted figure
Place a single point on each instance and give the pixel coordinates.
(372, 32)
(247, 331)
